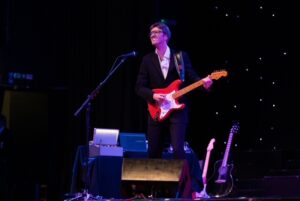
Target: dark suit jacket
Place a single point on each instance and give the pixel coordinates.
(150, 77)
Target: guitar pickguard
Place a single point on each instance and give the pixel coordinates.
(168, 104)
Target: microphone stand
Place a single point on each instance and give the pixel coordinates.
(87, 106)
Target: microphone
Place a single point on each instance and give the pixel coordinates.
(130, 54)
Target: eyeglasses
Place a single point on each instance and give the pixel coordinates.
(155, 32)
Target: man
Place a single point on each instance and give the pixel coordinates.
(158, 70)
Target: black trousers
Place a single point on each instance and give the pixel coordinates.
(174, 130)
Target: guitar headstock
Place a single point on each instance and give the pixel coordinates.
(218, 74)
(211, 144)
(235, 127)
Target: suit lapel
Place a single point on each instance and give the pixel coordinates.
(172, 63)
(156, 66)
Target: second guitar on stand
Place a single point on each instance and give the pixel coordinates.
(203, 193)
(221, 182)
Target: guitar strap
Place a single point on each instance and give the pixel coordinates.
(179, 63)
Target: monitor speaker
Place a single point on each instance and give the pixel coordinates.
(155, 178)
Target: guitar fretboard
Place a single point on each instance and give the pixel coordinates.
(224, 163)
(233, 130)
(215, 76)
(187, 89)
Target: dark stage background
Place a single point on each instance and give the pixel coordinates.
(54, 53)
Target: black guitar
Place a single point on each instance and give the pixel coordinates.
(221, 182)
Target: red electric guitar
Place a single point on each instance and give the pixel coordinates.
(161, 111)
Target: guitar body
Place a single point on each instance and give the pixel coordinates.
(221, 182)
(161, 111)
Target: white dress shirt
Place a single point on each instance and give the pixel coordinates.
(164, 62)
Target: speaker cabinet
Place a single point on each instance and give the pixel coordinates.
(154, 178)
(26, 113)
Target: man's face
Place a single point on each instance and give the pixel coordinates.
(157, 36)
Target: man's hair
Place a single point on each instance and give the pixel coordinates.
(165, 29)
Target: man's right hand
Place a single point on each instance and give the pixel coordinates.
(159, 97)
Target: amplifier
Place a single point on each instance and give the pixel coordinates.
(102, 150)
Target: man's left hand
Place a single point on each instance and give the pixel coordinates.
(207, 82)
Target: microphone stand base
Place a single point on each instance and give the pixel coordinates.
(85, 196)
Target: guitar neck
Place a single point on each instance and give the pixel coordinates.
(209, 148)
(226, 154)
(204, 173)
(214, 76)
(187, 89)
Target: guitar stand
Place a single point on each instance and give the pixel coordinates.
(202, 194)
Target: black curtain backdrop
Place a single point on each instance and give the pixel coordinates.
(70, 47)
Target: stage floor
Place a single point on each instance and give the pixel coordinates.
(218, 199)
(204, 199)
